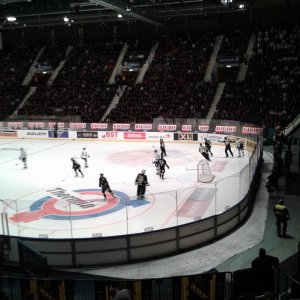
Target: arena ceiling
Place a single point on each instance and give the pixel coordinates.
(36, 13)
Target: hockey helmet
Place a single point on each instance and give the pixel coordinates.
(200, 144)
(83, 148)
(101, 174)
(21, 148)
(143, 171)
(155, 150)
(205, 139)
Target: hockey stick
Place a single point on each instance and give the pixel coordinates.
(190, 169)
(67, 175)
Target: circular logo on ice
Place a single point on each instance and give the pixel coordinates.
(61, 204)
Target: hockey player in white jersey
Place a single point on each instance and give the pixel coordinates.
(240, 146)
(156, 158)
(84, 156)
(23, 157)
(203, 151)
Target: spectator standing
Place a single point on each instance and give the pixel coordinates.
(282, 216)
(262, 267)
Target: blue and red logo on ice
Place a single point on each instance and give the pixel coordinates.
(75, 205)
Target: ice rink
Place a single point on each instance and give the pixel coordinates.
(47, 200)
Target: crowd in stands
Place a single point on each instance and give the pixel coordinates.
(281, 165)
(173, 85)
(234, 44)
(278, 55)
(14, 67)
(239, 102)
(81, 86)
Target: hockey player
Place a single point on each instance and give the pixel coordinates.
(162, 166)
(76, 166)
(162, 147)
(156, 158)
(227, 146)
(203, 151)
(103, 183)
(208, 146)
(240, 146)
(141, 181)
(84, 156)
(23, 157)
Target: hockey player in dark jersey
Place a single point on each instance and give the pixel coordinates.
(162, 147)
(76, 166)
(203, 151)
(141, 181)
(162, 166)
(103, 183)
(208, 146)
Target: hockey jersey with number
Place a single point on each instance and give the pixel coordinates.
(141, 179)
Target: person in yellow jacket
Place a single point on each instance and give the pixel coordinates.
(282, 216)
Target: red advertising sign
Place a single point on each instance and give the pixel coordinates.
(36, 125)
(203, 128)
(59, 124)
(77, 125)
(186, 128)
(227, 129)
(121, 126)
(143, 127)
(99, 125)
(251, 130)
(168, 127)
(134, 135)
(15, 124)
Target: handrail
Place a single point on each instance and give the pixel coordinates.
(288, 280)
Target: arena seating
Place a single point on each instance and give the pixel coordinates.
(14, 67)
(173, 85)
(81, 86)
(278, 54)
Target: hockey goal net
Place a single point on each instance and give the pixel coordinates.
(204, 173)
